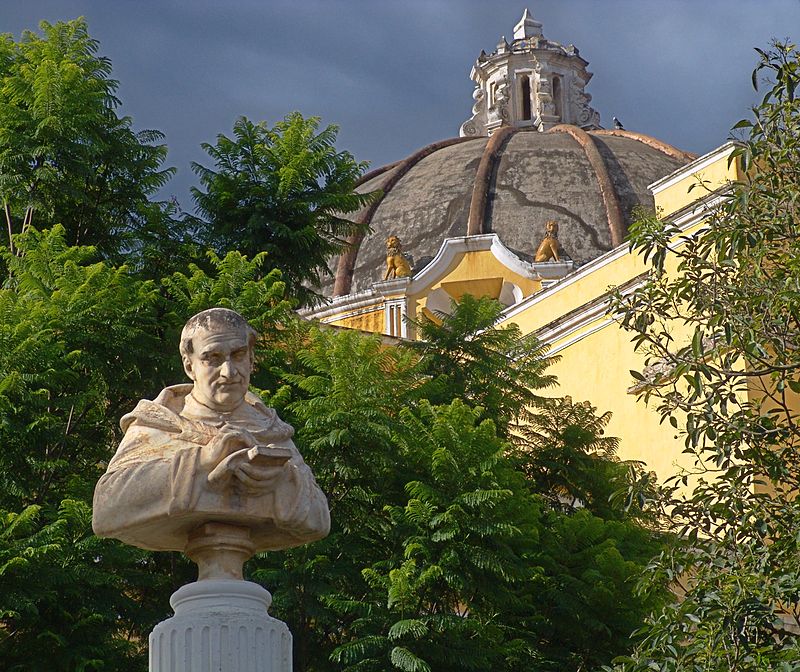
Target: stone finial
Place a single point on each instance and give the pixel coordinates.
(549, 249)
(397, 265)
(527, 27)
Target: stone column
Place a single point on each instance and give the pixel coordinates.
(221, 625)
(221, 622)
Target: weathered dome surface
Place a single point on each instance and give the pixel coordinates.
(510, 184)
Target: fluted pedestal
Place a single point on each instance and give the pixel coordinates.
(221, 625)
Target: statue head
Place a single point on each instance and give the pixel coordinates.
(551, 226)
(393, 243)
(217, 352)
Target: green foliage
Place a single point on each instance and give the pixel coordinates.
(81, 341)
(67, 158)
(76, 340)
(731, 393)
(443, 553)
(498, 369)
(563, 450)
(72, 601)
(285, 190)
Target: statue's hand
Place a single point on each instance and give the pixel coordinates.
(214, 457)
(259, 479)
(257, 468)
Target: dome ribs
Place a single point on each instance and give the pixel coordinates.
(366, 177)
(484, 177)
(616, 222)
(655, 143)
(347, 261)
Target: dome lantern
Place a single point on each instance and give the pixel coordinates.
(533, 82)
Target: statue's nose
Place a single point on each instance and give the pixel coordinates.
(226, 370)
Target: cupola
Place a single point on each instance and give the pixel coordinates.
(532, 82)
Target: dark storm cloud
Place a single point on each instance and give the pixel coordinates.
(394, 75)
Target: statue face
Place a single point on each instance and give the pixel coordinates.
(220, 366)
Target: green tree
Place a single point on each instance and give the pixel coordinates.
(497, 369)
(731, 392)
(285, 190)
(81, 341)
(443, 553)
(66, 157)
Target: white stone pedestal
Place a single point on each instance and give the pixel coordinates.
(221, 626)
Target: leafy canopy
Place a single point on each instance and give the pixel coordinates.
(81, 341)
(443, 554)
(285, 190)
(731, 392)
(65, 156)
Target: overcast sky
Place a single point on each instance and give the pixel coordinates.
(394, 75)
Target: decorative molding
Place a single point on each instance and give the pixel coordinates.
(392, 287)
(579, 318)
(699, 164)
(356, 312)
(335, 306)
(452, 247)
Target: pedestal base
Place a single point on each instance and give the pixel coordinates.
(222, 626)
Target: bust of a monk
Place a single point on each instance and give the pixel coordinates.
(209, 457)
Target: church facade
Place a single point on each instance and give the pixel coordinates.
(530, 205)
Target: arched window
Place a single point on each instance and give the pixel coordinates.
(526, 97)
(557, 97)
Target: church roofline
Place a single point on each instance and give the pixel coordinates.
(699, 163)
(452, 247)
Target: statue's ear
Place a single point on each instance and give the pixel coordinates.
(187, 367)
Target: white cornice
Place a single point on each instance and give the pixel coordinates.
(354, 311)
(391, 287)
(571, 279)
(699, 164)
(452, 247)
(336, 305)
(564, 328)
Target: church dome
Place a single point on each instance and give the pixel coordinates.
(532, 151)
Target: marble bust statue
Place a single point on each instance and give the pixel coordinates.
(207, 464)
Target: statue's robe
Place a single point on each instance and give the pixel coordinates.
(156, 491)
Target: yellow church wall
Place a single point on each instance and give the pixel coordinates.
(373, 321)
(707, 174)
(478, 273)
(596, 353)
(596, 369)
(577, 290)
(596, 357)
